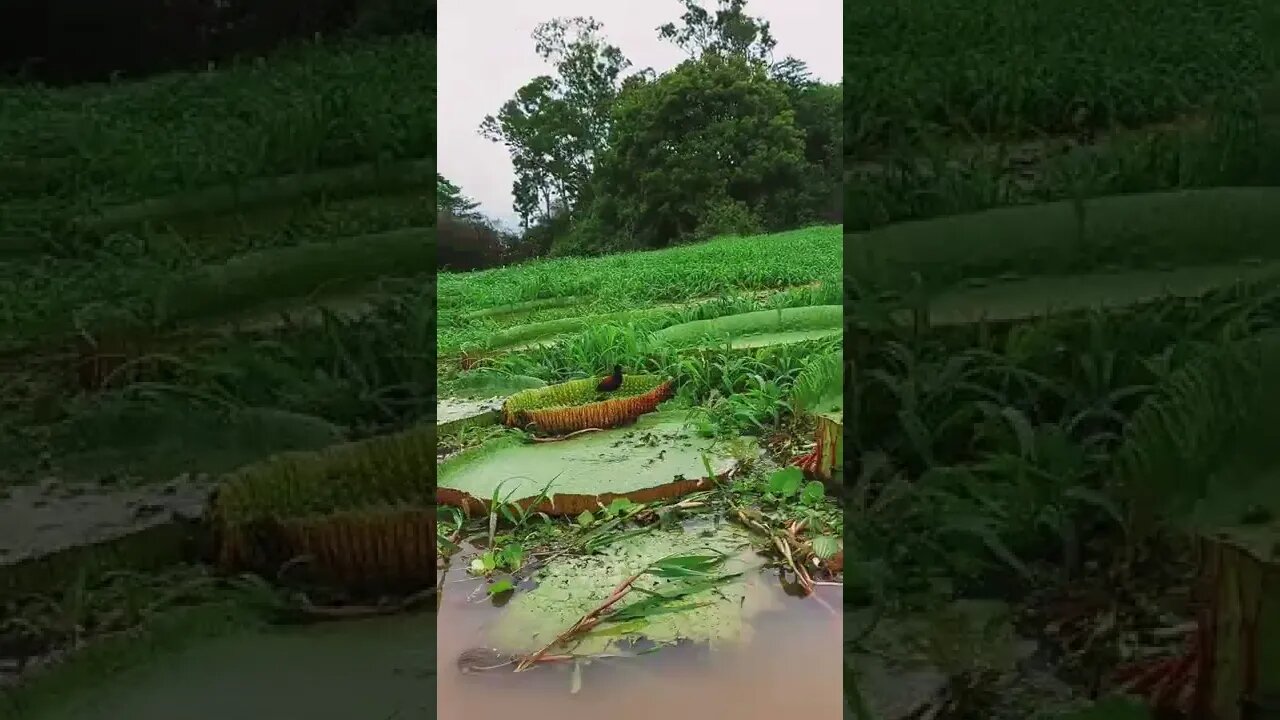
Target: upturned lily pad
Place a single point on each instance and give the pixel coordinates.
(570, 588)
(577, 405)
(360, 511)
(658, 457)
(763, 328)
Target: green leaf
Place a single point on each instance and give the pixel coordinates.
(826, 546)
(618, 506)
(513, 556)
(586, 518)
(477, 566)
(813, 493)
(685, 565)
(786, 482)
(503, 585)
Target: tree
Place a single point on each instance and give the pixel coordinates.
(730, 31)
(555, 126)
(708, 147)
(450, 201)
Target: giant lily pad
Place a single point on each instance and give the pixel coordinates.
(763, 328)
(577, 405)
(569, 588)
(658, 457)
(361, 512)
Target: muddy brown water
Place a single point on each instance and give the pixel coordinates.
(790, 667)
(405, 668)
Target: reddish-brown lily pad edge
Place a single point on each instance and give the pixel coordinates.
(658, 458)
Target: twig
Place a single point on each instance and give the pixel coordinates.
(585, 623)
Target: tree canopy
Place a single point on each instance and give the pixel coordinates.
(728, 141)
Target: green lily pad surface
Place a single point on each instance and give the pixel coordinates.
(659, 448)
(573, 587)
(763, 328)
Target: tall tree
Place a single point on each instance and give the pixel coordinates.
(556, 125)
(729, 31)
(450, 201)
(711, 146)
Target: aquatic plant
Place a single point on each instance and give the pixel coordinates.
(361, 513)
(762, 328)
(819, 392)
(657, 458)
(577, 405)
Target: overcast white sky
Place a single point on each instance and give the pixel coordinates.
(485, 52)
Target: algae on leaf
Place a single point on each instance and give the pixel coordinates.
(660, 456)
(573, 587)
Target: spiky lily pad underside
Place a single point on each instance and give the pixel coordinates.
(656, 459)
(576, 405)
(763, 328)
(572, 587)
(360, 510)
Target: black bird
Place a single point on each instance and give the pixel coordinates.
(612, 382)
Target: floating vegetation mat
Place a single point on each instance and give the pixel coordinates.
(763, 328)
(360, 512)
(577, 405)
(659, 457)
(572, 587)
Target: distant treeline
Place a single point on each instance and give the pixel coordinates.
(64, 42)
